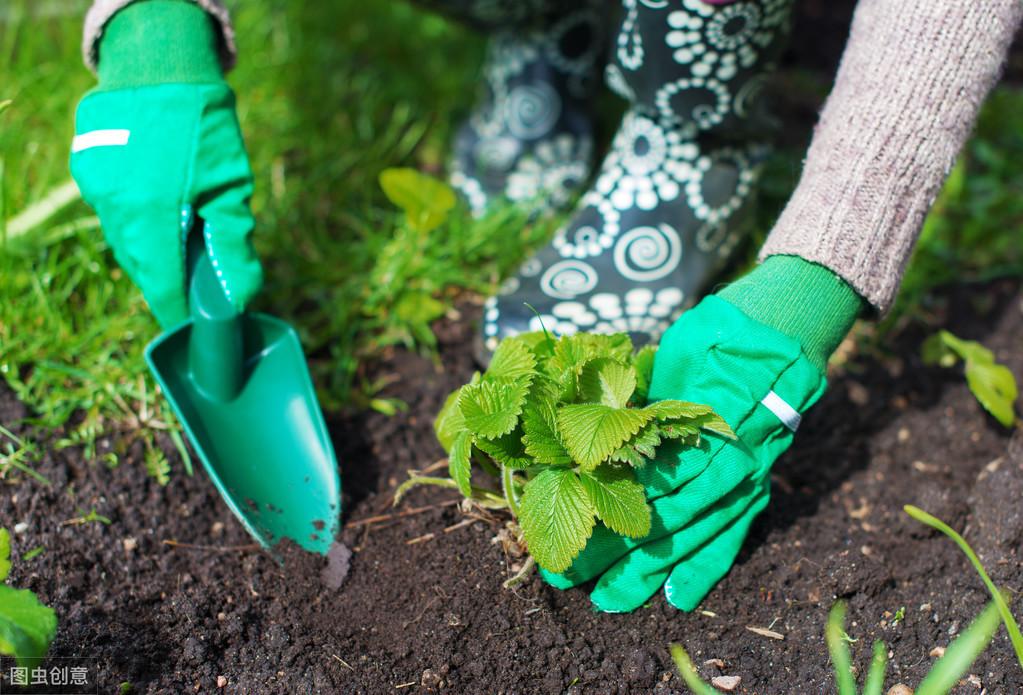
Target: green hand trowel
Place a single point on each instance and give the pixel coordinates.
(240, 386)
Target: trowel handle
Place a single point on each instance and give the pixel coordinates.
(215, 354)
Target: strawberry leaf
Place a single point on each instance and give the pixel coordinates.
(459, 463)
(608, 382)
(508, 450)
(618, 499)
(491, 408)
(557, 518)
(638, 449)
(665, 410)
(450, 421)
(541, 438)
(512, 360)
(592, 432)
(643, 363)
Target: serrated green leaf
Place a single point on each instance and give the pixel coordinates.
(541, 438)
(508, 450)
(676, 410)
(643, 364)
(572, 352)
(557, 518)
(539, 343)
(712, 422)
(995, 387)
(641, 447)
(460, 463)
(592, 432)
(5, 554)
(491, 408)
(618, 500)
(26, 626)
(512, 360)
(427, 202)
(450, 421)
(606, 381)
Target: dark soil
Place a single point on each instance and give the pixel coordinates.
(889, 432)
(431, 615)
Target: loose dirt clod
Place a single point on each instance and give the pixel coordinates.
(339, 562)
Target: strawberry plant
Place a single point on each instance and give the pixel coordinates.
(563, 424)
(26, 626)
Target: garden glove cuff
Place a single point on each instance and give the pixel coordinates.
(704, 499)
(158, 142)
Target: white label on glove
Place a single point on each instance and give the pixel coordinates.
(100, 138)
(788, 415)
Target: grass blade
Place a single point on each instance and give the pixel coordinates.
(961, 653)
(834, 634)
(1003, 607)
(875, 677)
(39, 212)
(688, 672)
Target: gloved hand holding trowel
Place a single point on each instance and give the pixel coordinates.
(159, 154)
(158, 143)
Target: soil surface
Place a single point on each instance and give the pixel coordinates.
(172, 597)
(422, 607)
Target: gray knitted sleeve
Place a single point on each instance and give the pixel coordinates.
(912, 79)
(102, 10)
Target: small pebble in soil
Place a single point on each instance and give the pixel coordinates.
(20, 527)
(726, 683)
(221, 682)
(430, 679)
(716, 663)
(129, 544)
(937, 652)
(339, 561)
(900, 689)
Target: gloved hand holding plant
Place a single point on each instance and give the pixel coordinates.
(564, 424)
(558, 415)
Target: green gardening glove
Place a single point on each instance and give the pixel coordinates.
(703, 501)
(157, 142)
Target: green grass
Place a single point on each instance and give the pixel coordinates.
(330, 94)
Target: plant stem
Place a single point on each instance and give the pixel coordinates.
(527, 567)
(508, 483)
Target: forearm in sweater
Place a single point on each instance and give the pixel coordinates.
(912, 79)
(102, 11)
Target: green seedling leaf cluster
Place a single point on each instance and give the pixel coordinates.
(564, 424)
(992, 384)
(26, 626)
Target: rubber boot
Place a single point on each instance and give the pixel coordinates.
(530, 137)
(675, 193)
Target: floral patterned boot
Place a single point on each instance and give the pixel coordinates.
(675, 193)
(530, 137)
